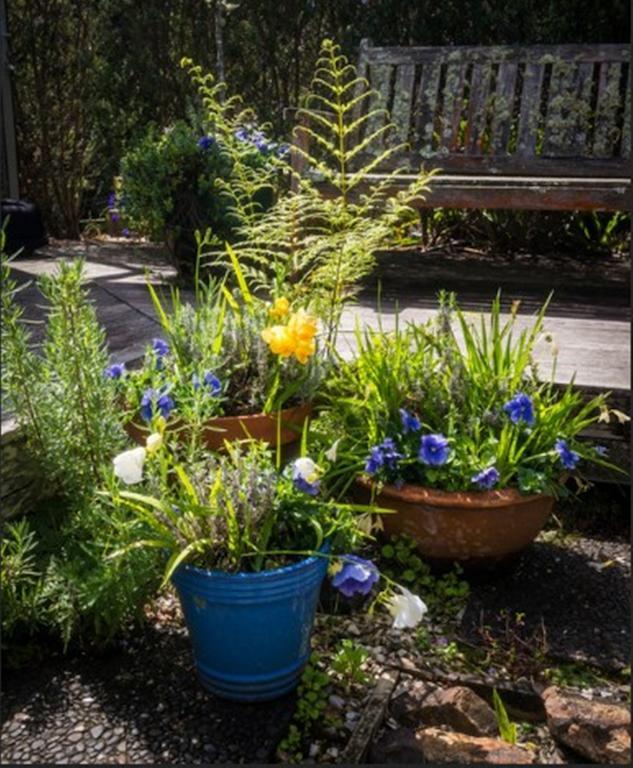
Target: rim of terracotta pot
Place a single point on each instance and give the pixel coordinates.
(303, 409)
(419, 494)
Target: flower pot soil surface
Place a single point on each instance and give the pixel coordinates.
(478, 529)
(259, 426)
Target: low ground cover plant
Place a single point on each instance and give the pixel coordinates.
(419, 406)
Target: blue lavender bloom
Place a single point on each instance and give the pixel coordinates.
(569, 459)
(115, 217)
(210, 380)
(125, 232)
(283, 150)
(434, 450)
(160, 347)
(112, 200)
(115, 371)
(241, 134)
(486, 479)
(214, 384)
(259, 140)
(205, 142)
(356, 577)
(601, 450)
(153, 401)
(520, 408)
(410, 423)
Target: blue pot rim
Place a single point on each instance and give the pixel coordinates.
(243, 576)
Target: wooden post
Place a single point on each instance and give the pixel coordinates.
(9, 163)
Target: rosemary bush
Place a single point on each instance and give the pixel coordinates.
(56, 577)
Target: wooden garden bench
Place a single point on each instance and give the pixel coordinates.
(524, 127)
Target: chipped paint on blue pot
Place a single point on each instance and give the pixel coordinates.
(251, 631)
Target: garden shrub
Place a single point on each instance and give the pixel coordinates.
(56, 576)
(213, 173)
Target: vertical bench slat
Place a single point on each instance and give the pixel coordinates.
(453, 102)
(605, 134)
(402, 99)
(582, 113)
(380, 78)
(427, 103)
(530, 109)
(560, 99)
(477, 106)
(503, 106)
(625, 150)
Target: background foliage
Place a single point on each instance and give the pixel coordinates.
(90, 75)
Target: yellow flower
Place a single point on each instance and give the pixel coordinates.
(280, 308)
(295, 338)
(280, 339)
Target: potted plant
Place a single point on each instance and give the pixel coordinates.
(460, 437)
(231, 366)
(247, 548)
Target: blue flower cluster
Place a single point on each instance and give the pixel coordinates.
(434, 449)
(251, 135)
(115, 371)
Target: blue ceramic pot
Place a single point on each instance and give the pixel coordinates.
(251, 631)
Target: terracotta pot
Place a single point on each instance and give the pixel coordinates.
(259, 426)
(474, 529)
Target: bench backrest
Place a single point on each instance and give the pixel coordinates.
(522, 110)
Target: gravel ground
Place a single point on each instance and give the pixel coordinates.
(580, 590)
(141, 702)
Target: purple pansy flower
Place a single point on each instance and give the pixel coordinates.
(115, 371)
(160, 347)
(520, 408)
(305, 476)
(154, 402)
(205, 142)
(410, 423)
(486, 479)
(434, 450)
(383, 455)
(569, 459)
(356, 577)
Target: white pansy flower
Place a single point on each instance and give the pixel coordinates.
(154, 442)
(306, 469)
(330, 454)
(407, 609)
(128, 466)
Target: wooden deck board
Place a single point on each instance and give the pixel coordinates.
(595, 348)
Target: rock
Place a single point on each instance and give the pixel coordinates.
(75, 737)
(96, 731)
(399, 746)
(336, 701)
(461, 709)
(446, 747)
(597, 730)
(405, 706)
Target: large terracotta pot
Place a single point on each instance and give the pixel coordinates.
(474, 529)
(259, 426)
